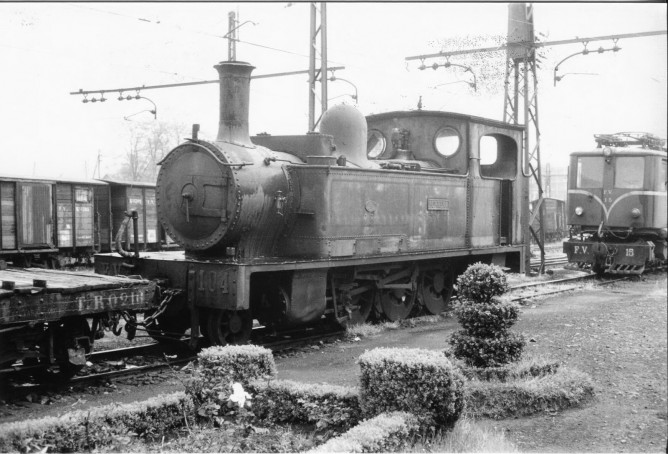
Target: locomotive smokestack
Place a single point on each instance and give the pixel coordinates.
(234, 102)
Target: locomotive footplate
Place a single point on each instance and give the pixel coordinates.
(36, 295)
(609, 255)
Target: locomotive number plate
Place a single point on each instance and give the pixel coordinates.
(438, 204)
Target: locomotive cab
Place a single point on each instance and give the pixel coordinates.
(617, 208)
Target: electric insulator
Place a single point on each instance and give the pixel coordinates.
(93, 100)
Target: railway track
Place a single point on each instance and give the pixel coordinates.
(179, 355)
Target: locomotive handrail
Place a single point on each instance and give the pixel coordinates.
(213, 155)
(217, 159)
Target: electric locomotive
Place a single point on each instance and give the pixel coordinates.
(371, 215)
(617, 204)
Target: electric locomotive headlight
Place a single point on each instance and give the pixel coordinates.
(579, 211)
(635, 213)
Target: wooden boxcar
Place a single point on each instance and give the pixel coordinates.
(554, 219)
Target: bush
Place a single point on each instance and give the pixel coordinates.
(383, 433)
(480, 282)
(326, 406)
(87, 430)
(222, 372)
(524, 369)
(565, 388)
(486, 318)
(421, 382)
(487, 351)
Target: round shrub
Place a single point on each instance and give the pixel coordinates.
(480, 282)
(417, 381)
(487, 319)
(487, 351)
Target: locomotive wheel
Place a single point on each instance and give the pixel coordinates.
(359, 309)
(396, 304)
(436, 289)
(229, 327)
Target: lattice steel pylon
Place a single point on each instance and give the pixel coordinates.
(317, 31)
(521, 87)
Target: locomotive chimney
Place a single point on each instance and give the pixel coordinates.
(234, 101)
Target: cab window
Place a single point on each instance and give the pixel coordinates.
(590, 172)
(498, 156)
(629, 172)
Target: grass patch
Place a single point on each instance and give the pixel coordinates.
(566, 388)
(372, 329)
(229, 438)
(466, 436)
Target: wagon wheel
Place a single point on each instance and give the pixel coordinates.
(357, 311)
(229, 327)
(436, 289)
(64, 337)
(396, 303)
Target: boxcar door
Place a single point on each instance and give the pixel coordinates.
(35, 222)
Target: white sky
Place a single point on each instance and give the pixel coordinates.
(50, 49)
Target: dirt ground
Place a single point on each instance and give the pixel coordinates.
(617, 334)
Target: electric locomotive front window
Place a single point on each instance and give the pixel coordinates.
(375, 144)
(590, 172)
(629, 172)
(447, 141)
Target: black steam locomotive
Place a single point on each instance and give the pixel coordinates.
(617, 204)
(371, 215)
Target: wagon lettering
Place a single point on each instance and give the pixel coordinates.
(581, 249)
(629, 252)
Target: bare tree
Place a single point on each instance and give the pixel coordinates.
(148, 144)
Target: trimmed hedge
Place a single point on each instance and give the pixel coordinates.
(523, 369)
(218, 368)
(383, 433)
(326, 406)
(85, 430)
(487, 351)
(486, 319)
(236, 363)
(565, 388)
(421, 382)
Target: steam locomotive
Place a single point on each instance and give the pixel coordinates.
(370, 216)
(617, 204)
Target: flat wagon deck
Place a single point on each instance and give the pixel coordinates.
(38, 295)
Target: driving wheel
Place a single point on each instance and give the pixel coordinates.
(396, 304)
(436, 289)
(229, 327)
(357, 311)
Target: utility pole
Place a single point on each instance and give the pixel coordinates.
(317, 30)
(232, 36)
(521, 73)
